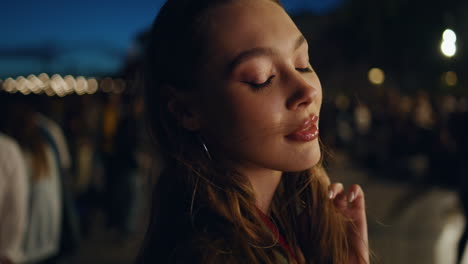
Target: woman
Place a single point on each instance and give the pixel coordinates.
(13, 199)
(234, 105)
(41, 230)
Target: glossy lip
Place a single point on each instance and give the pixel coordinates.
(307, 131)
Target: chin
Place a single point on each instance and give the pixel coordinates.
(307, 164)
(304, 160)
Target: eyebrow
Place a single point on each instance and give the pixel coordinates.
(259, 52)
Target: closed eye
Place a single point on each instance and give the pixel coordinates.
(258, 86)
(305, 70)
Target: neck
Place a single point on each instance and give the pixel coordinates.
(264, 183)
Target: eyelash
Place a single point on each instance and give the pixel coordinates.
(258, 86)
(307, 69)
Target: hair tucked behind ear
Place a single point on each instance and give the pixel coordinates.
(202, 212)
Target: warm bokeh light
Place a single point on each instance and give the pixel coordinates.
(22, 85)
(61, 86)
(44, 77)
(81, 85)
(58, 85)
(10, 85)
(36, 84)
(49, 91)
(376, 76)
(71, 84)
(92, 86)
(450, 78)
(54, 84)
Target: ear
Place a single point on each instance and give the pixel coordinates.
(182, 106)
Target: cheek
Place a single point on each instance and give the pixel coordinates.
(239, 117)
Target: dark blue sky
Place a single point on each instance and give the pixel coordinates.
(85, 36)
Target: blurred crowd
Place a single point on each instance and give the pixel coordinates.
(419, 138)
(63, 160)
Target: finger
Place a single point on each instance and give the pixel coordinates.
(356, 211)
(340, 201)
(355, 197)
(334, 189)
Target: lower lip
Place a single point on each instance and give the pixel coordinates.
(306, 135)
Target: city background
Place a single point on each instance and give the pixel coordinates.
(394, 117)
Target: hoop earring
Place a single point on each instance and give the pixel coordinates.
(204, 147)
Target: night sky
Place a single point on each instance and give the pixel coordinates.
(84, 37)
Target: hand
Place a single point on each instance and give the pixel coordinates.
(352, 205)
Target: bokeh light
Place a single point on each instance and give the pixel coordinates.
(448, 46)
(449, 36)
(376, 76)
(92, 86)
(450, 78)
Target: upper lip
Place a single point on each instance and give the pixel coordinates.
(306, 124)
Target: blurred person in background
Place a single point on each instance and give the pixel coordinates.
(70, 227)
(41, 239)
(82, 120)
(129, 167)
(111, 115)
(14, 199)
(234, 104)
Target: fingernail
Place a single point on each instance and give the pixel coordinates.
(330, 194)
(352, 196)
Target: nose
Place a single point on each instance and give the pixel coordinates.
(302, 94)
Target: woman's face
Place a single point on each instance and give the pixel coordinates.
(259, 99)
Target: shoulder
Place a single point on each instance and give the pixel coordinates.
(10, 153)
(13, 173)
(7, 144)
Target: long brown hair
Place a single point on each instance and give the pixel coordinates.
(19, 122)
(200, 207)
